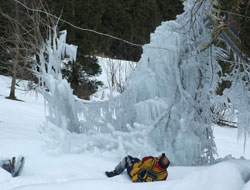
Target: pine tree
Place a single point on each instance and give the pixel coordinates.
(244, 9)
(80, 13)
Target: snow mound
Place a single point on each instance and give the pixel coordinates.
(4, 176)
(227, 175)
(217, 177)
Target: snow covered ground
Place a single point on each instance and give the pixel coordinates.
(46, 170)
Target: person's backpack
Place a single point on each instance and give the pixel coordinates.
(145, 175)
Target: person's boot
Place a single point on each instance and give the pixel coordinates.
(111, 174)
(13, 162)
(119, 168)
(18, 167)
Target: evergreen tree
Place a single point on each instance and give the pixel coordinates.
(133, 21)
(244, 9)
(81, 13)
(5, 66)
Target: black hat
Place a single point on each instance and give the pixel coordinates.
(161, 163)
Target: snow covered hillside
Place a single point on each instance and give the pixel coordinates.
(46, 170)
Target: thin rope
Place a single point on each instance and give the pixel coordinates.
(117, 38)
(77, 27)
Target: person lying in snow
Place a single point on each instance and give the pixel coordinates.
(146, 170)
(13, 166)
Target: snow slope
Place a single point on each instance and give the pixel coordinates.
(47, 170)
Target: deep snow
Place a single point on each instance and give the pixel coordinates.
(47, 170)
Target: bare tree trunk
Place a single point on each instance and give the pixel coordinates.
(16, 60)
(13, 81)
(23, 37)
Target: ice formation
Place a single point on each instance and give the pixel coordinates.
(57, 92)
(167, 106)
(173, 87)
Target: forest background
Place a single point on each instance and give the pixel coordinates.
(131, 20)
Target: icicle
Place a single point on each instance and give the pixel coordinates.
(59, 96)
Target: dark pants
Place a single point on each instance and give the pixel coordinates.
(8, 165)
(126, 163)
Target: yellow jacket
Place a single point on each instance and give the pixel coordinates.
(148, 170)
